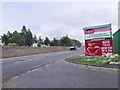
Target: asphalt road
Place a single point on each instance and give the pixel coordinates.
(49, 71)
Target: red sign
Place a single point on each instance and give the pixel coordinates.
(89, 31)
(97, 30)
(102, 30)
(98, 48)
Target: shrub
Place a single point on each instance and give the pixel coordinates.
(12, 44)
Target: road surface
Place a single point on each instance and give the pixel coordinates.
(49, 71)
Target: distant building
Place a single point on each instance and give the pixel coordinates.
(42, 45)
(45, 45)
(35, 45)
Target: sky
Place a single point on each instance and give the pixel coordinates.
(57, 19)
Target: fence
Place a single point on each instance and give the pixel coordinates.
(21, 51)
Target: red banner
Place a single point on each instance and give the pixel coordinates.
(98, 48)
(97, 30)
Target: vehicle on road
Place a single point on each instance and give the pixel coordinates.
(73, 47)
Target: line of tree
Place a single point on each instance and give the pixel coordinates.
(26, 38)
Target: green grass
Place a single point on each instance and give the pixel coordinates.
(116, 59)
(90, 62)
(96, 60)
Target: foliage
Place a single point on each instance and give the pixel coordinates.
(26, 38)
(29, 38)
(94, 60)
(55, 42)
(116, 59)
(35, 39)
(66, 41)
(39, 45)
(47, 41)
(76, 42)
(40, 41)
(5, 39)
(90, 62)
(13, 44)
(16, 38)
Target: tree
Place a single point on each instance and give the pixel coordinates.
(5, 39)
(13, 44)
(66, 41)
(26, 36)
(29, 38)
(56, 42)
(9, 36)
(52, 43)
(17, 38)
(46, 41)
(40, 42)
(35, 39)
(23, 35)
(76, 42)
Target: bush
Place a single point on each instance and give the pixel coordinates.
(12, 44)
(95, 60)
(117, 59)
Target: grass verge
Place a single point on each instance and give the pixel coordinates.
(96, 60)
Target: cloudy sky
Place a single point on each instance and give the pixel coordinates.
(57, 19)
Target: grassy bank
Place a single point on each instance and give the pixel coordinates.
(97, 60)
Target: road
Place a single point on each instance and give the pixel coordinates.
(49, 71)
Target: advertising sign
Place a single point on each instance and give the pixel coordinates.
(96, 32)
(98, 40)
(98, 48)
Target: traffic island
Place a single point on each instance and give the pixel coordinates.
(94, 62)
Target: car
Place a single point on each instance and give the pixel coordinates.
(72, 47)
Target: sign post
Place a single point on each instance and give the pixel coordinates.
(98, 40)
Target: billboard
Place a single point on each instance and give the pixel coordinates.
(98, 40)
(98, 48)
(96, 32)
